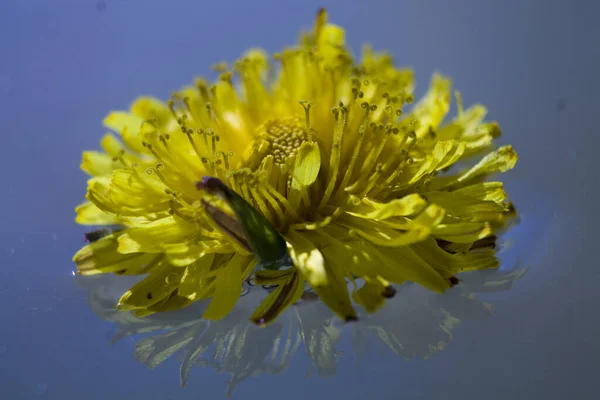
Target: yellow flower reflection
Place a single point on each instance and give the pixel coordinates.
(326, 149)
(417, 323)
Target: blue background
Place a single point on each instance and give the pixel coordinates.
(533, 63)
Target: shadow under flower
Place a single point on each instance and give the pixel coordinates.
(415, 323)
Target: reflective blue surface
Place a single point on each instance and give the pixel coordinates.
(533, 63)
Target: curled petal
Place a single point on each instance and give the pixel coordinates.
(287, 293)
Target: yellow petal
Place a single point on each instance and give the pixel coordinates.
(158, 285)
(407, 205)
(96, 163)
(117, 120)
(128, 126)
(449, 264)
(335, 294)
(411, 266)
(416, 230)
(393, 264)
(152, 236)
(111, 145)
(307, 258)
(440, 151)
(228, 287)
(320, 22)
(500, 160)
(465, 232)
(253, 73)
(460, 205)
(128, 190)
(352, 255)
(484, 191)
(273, 277)
(465, 124)
(151, 108)
(144, 263)
(96, 194)
(172, 303)
(307, 165)
(102, 257)
(431, 109)
(183, 254)
(227, 103)
(287, 293)
(90, 214)
(326, 279)
(452, 156)
(430, 217)
(329, 39)
(371, 295)
(194, 276)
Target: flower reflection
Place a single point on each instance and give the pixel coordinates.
(415, 323)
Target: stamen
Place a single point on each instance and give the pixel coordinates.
(312, 226)
(406, 159)
(307, 105)
(171, 105)
(459, 104)
(261, 203)
(348, 174)
(220, 67)
(407, 98)
(282, 200)
(205, 133)
(202, 87)
(272, 202)
(189, 134)
(225, 158)
(151, 149)
(334, 162)
(226, 76)
(372, 180)
(215, 139)
(245, 193)
(194, 114)
(156, 171)
(374, 153)
(120, 157)
(176, 209)
(164, 139)
(320, 22)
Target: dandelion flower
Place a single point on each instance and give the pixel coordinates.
(319, 170)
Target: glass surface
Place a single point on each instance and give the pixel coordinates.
(533, 63)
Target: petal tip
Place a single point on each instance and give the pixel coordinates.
(389, 292)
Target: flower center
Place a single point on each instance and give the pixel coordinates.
(280, 138)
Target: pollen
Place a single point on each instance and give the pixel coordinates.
(284, 137)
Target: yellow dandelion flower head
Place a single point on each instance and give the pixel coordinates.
(309, 156)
